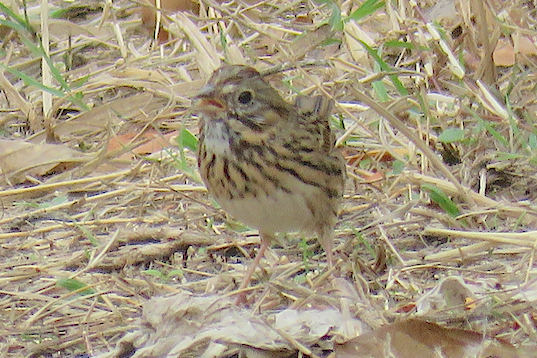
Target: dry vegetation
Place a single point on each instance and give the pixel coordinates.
(103, 211)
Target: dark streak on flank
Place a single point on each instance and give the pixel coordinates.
(331, 192)
(327, 169)
(225, 164)
(210, 165)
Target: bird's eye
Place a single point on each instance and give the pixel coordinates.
(245, 97)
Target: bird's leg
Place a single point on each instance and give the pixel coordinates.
(265, 242)
(326, 240)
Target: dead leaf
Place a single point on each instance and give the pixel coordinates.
(304, 44)
(415, 338)
(353, 35)
(450, 293)
(443, 11)
(504, 53)
(524, 45)
(187, 325)
(149, 13)
(19, 159)
(64, 29)
(103, 117)
(154, 142)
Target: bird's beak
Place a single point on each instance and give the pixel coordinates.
(207, 101)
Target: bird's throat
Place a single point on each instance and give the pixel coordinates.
(217, 137)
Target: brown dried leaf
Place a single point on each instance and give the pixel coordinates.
(149, 12)
(303, 45)
(353, 35)
(19, 158)
(451, 292)
(152, 142)
(524, 45)
(504, 53)
(102, 117)
(415, 338)
(185, 325)
(64, 29)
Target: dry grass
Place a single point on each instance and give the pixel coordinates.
(87, 239)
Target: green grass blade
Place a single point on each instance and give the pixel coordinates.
(335, 20)
(25, 25)
(441, 199)
(380, 91)
(187, 140)
(399, 44)
(385, 67)
(75, 285)
(451, 135)
(490, 128)
(367, 8)
(30, 81)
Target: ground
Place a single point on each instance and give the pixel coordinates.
(103, 212)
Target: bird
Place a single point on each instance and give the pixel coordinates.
(268, 163)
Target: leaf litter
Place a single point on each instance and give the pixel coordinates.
(110, 246)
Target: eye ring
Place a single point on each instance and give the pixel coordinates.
(245, 97)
